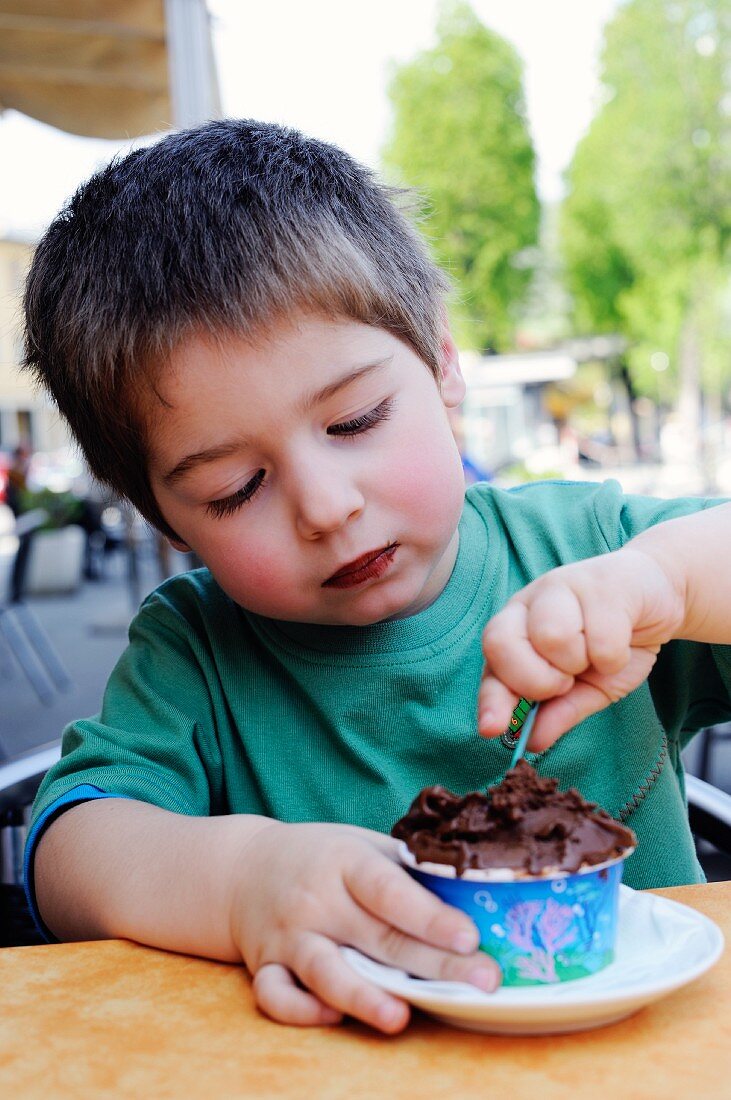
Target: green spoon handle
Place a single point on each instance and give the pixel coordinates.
(524, 735)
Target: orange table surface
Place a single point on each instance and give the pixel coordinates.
(113, 1019)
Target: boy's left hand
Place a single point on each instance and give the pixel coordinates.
(577, 639)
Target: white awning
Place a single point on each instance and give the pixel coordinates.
(517, 370)
(108, 68)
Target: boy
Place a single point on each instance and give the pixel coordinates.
(249, 342)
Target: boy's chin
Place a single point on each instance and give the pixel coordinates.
(356, 613)
(377, 611)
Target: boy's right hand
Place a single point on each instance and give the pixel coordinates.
(302, 890)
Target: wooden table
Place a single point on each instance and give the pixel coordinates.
(112, 1019)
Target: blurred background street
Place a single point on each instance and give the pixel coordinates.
(88, 630)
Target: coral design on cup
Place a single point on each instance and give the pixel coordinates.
(541, 931)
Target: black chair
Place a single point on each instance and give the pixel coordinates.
(19, 627)
(19, 781)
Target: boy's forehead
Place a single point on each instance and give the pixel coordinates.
(312, 351)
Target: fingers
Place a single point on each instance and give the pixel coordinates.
(513, 653)
(495, 705)
(514, 668)
(566, 625)
(370, 902)
(278, 996)
(404, 925)
(390, 946)
(320, 967)
(554, 625)
(330, 989)
(564, 712)
(385, 890)
(590, 694)
(574, 632)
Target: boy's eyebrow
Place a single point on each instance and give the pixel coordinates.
(333, 387)
(223, 450)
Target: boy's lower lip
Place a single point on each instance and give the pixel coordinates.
(370, 569)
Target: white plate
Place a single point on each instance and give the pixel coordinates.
(661, 946)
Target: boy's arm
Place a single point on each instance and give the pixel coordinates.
(695, 553)
(280, 897)
(586, 634)
(113, 868)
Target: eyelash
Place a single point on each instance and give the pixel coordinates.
(363, 423)
(357, 426)
(228, 505)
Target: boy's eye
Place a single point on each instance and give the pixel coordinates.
(228, 505)
(362, 423)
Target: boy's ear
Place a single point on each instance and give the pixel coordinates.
(452, 384)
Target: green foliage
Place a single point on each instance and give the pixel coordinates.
(646, 227)
(519, 474)
(460, 137)
(61, 508)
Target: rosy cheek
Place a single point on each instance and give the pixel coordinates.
(428, 480)
(253, 574)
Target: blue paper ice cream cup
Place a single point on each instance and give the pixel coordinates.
(540, 929)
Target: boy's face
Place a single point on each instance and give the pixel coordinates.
(314, 472)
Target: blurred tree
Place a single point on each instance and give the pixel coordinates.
(646, 226)
(460, 137)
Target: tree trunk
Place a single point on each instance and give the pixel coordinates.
(626, 379)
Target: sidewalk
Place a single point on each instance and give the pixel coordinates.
(88, 628)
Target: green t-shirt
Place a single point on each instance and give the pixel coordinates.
(213, 710)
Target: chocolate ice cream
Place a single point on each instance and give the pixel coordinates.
(524, 824)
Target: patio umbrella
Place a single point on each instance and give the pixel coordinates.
(108, 68)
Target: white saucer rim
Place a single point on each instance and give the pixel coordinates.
(419, 991)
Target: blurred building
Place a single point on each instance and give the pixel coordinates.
(504, 418)
(108, 68)
(25, 413)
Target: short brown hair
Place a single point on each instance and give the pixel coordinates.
(222, 228)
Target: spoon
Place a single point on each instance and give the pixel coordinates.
(525, 733)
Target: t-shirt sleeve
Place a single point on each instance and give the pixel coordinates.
(154, 739)
(691, 688)
(621, 516)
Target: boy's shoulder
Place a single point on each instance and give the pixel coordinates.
(549, 501)
(191, 601)
(579, 518)
(559, 489)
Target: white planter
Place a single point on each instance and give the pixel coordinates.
(55, 562)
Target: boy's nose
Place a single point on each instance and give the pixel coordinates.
(325, 503)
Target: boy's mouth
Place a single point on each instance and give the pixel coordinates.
(365, 568)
